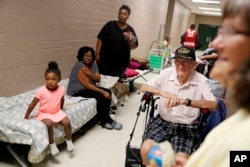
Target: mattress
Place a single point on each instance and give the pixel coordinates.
(15, 129)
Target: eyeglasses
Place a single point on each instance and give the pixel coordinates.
(87, 55)
(227, 32)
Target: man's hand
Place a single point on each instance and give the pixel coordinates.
(172, 100)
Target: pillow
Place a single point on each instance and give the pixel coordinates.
(130, 72)
(107, 81)
(133, 65)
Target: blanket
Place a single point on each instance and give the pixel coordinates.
(15, 129)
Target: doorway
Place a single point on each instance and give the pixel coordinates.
(206, 34)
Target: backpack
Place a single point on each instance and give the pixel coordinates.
(209, 120)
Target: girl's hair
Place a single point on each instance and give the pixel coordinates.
(53, 67)
(241, 91)
(239, 8)
(126, 7)
(84, 50)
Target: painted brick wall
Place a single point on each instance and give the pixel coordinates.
(34, 32)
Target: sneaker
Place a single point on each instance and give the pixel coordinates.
(108, 126)
(70, 146)
(53, 149)
(116, 125)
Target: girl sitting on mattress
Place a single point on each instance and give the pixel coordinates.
(51, 97)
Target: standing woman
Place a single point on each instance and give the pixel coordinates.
(114, 42)
(82, 82)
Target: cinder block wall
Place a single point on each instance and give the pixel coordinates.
(33, 32)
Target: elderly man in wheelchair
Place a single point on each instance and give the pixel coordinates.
(183, 92)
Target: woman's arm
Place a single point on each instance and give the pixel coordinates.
(211, 56)
(84, 79)
(132, 45)
(98, 49)
(93, 76)
(131, 39)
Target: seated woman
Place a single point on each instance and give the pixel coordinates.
(207, 60)
(82, 82)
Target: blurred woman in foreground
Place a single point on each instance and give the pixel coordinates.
(232, 69)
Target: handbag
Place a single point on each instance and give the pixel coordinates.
(120, 89)
(133, 156)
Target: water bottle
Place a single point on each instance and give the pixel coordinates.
(162, 155)
(155, 156)
(132, 37)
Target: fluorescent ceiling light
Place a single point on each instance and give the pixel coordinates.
(203, 1)
(214, 13)
(216, 9)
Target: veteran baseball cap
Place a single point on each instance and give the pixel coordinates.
(185, 52)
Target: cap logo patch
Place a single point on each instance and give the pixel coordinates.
(183, 51)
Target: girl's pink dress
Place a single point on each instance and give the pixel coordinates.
(50, 104)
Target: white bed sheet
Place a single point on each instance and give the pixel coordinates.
(15, 129)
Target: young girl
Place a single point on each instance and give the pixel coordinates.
(51, 97)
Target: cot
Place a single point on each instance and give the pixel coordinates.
(14, 129)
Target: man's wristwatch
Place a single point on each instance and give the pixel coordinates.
(188, 102)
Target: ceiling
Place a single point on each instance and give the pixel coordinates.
(194, 7)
